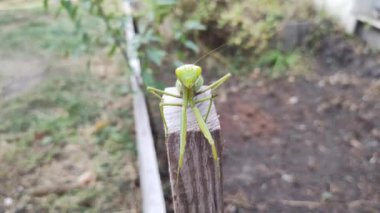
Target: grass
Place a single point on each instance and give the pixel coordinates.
(55, 106)
(35, 30)
(55, 110)
(278, 62)
(19, 4)
(74, 118)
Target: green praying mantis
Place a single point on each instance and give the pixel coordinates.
(189, 84)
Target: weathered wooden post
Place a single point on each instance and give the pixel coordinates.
(199, 188)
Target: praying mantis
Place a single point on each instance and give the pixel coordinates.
(189, 84)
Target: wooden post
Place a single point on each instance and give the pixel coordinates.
(199, 188)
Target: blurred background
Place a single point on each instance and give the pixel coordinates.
(300, 117)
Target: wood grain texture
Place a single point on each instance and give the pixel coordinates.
(199, 188)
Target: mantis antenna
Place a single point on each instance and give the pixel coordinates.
(210, 52)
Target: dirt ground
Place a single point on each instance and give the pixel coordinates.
(307, 143)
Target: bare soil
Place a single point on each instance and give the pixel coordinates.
(306, 144)
(303, 144)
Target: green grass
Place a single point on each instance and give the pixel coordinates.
(277, 62)
(38, 31)
(7, 5)
(62, 111)
(59, 112)
(55, 106)
(33, 32)
(60, 104)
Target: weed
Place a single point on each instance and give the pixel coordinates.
(278, 61)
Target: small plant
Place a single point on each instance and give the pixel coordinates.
(278, 61)
(248, 27)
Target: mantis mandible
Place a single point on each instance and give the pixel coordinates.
(189, 85)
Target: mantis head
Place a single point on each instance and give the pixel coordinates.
(189, 75)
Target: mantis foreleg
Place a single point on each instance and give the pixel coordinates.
(163, 115)
(204, 99)
(209, 105)
(183, 130)
(208, 109)
(216, 84)
(158, 93)
(205, 131)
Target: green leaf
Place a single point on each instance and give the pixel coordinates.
(46, 4)
(269, 58)
(47, 140)
(166, 2)
(292, 59)
(112, 50)
(178, 35)
(148, 78)
(194, 25)
(191, 45)
(85, 38)
(155, 55)
(178, 63)
(70, 8)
